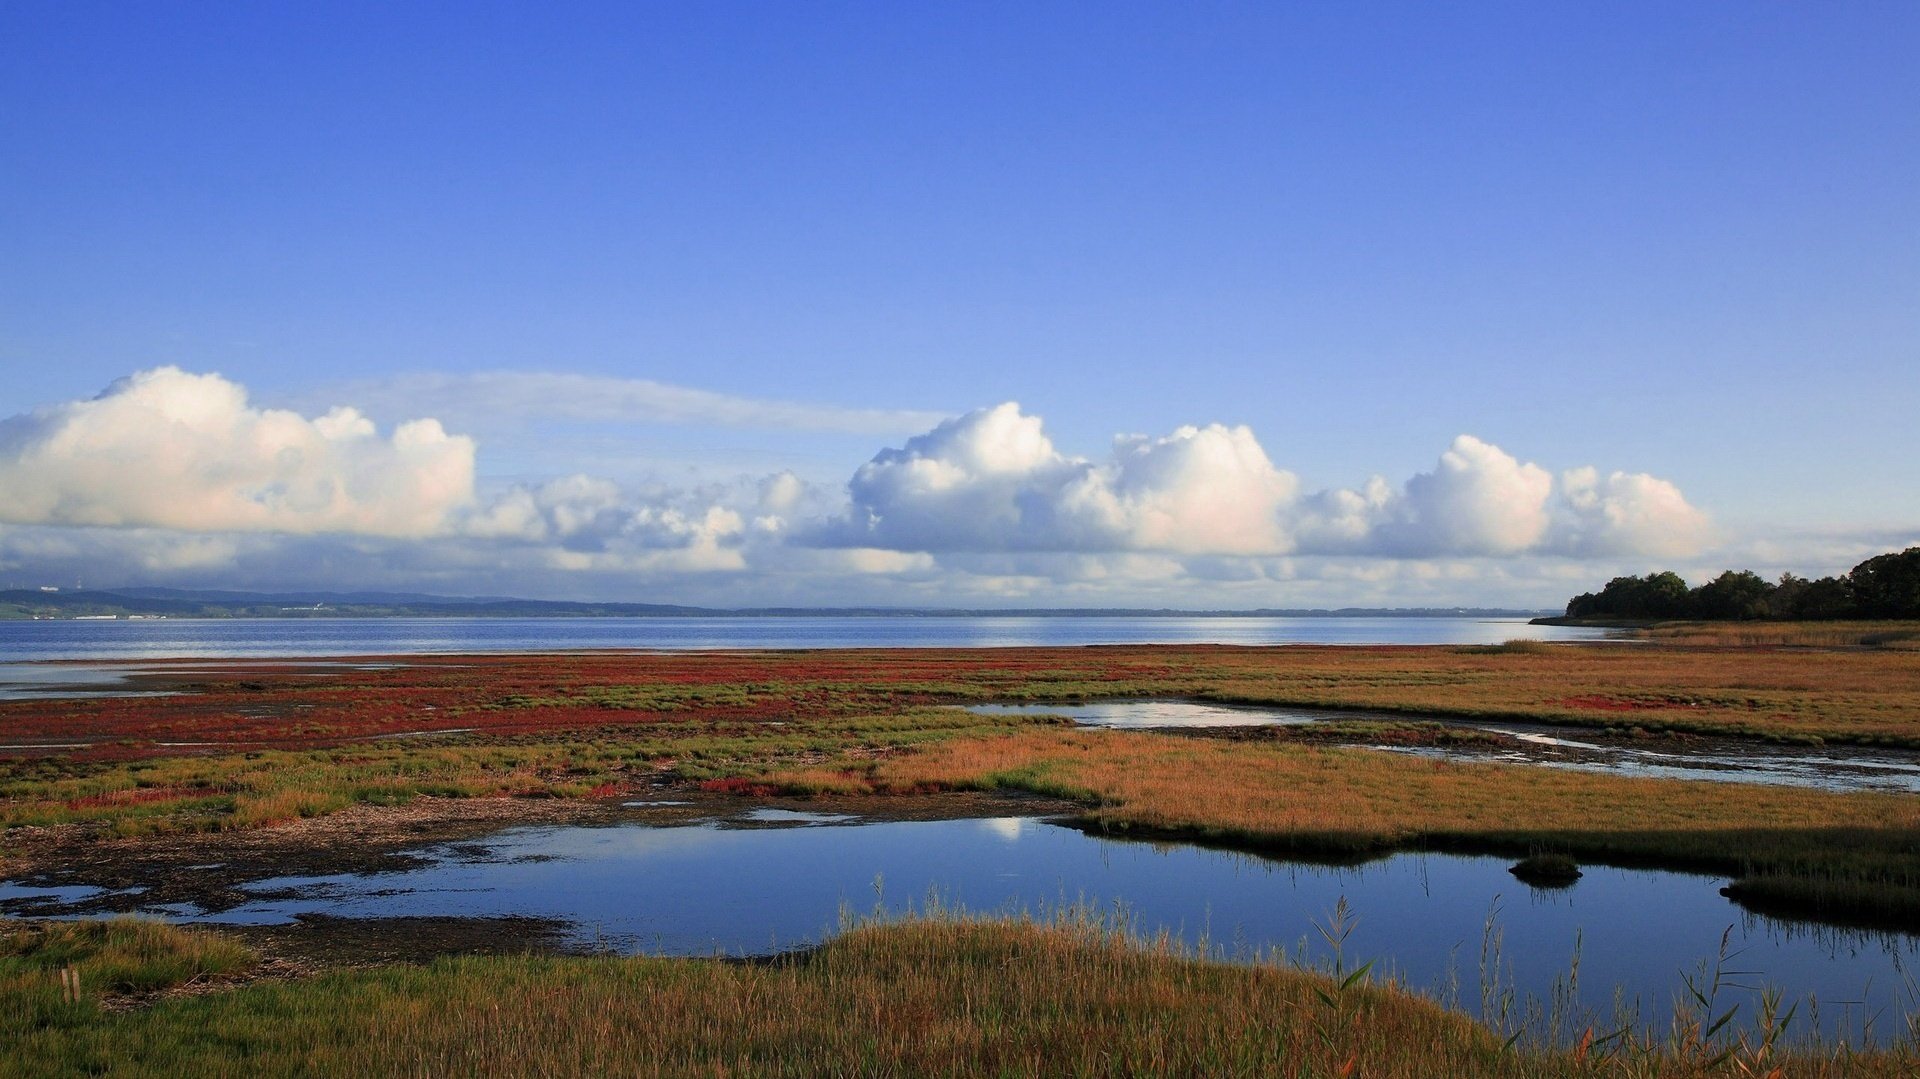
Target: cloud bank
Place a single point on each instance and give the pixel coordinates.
(175, 477)
(992, 480)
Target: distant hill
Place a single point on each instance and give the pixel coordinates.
(209, 603)
(186, 603)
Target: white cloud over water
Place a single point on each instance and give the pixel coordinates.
(992, 480)
(169, 449)
(172, 477)
(1478, 500)
(1628, 513)
(586, 523)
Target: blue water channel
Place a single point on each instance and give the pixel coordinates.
(1461, 929)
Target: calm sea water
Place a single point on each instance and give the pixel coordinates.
(221, 638)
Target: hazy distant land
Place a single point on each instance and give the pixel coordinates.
(20, 603)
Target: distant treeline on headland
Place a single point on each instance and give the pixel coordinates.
(1884, 586)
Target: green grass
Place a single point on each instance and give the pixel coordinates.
(103, 960)
(175, 795)
(941, 996)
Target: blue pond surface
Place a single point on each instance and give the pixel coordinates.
(1429, 919)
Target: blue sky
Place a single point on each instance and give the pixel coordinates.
(1678, 242)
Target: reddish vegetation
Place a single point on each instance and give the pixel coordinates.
(738, 785)
(1601, 703)
(1852, 695)
(286, 705)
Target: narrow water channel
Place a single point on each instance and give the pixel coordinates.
(1461, 929)
(1717, 759)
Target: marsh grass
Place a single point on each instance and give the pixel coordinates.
(567, 726)
(62, 973)
(244, 790)
(859, 721)
(938, 994)
(1517, 646)
(1897, 636)
(1835, 855)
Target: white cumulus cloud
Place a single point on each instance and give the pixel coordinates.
(168, 449)
(587, 523)
(1627, 513)
(1478, 500)
(171, 476)
(992, 480)
(1201, 490)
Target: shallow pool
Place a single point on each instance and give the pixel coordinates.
(1459, 928)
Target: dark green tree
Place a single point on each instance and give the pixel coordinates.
(1657, 595)
(1885, 586)
(1733, 594)
(1796, 598)
(1667, 596)
(1888, 585)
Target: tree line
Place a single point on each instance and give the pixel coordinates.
(1884, 586)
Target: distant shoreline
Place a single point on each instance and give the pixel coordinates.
(1597, 623)
(145, 604)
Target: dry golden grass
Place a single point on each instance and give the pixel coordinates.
(1904, 636)
(1858, 854)
(927, 998)
(1868, 696)
(1277, 789)
(725, 713)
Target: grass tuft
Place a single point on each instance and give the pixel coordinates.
(1546, 870)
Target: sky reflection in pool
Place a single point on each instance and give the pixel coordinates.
(1137, 715)
(1838, 768)
(707, 888)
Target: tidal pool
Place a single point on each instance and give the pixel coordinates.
(1837, 768)
(48, 681)
(1461, 929)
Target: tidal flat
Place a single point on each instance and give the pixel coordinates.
(342, 822)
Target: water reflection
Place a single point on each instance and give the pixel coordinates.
(1142, 715)
(1449, 926)
(1007, 828)
(40, 681)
